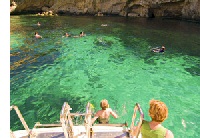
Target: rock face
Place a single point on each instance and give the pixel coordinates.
(186, 9)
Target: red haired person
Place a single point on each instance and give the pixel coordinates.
(158, 112)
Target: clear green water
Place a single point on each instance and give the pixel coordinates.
(47, 72)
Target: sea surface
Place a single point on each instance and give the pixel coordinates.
(112, 62)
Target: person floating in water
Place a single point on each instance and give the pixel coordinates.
(37, 35)
(158, 50)
(104, 114)
(66, 35)
(80, 35)
(38, 24)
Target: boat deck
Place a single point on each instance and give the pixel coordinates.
(79, 132)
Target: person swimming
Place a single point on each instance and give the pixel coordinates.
(38, 24)
(67, 35)
(158, 50)
(82, 34)
(102, 116)
(37, 35)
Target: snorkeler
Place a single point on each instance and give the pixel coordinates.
(158, 50)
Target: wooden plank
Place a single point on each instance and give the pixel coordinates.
(80, 114)
(48, 125)
(110, 135)
(115, 125)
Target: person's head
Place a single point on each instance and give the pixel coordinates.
(163, 48)
(158, 110)
(36, 33)
(66, 34)
(104, 104)
(81, 34)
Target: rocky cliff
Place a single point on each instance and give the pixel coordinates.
(183, 9)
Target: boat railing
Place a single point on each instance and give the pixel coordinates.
(135, 127)
(66, 120)
(21, 119)
(88, 118)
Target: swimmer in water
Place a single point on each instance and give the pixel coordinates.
(37, 35)
(67, 35)
(159, 50)
(82, 34)
(38, 24)
(103, 115)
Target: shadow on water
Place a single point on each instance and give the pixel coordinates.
(194, 70)
(28, 59)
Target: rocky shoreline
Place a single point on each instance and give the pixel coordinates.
(176, 9)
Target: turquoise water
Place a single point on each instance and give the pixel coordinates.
(112, 62)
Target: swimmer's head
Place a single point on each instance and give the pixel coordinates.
(163, 47)
(66, 34)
